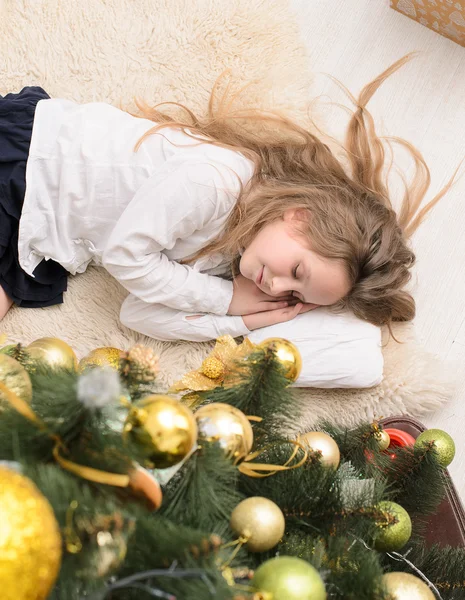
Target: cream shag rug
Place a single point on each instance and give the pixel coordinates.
(112, 50)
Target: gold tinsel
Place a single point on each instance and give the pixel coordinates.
(214, 369)
(147, 360)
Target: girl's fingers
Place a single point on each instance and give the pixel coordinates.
(266, 306)
(306, 307)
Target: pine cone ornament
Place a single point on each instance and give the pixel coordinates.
(146, 360)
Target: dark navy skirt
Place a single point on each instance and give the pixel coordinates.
(50, 279)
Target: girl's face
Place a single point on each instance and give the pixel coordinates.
(280, 262)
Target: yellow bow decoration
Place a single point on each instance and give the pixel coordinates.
(82, 471)
(214, 369)
(256, 470)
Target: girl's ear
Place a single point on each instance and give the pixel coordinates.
(296, 214)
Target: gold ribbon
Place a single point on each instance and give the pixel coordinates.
(256, 419)
(90, 473)
(260, 469)
(82, 471)
(21, 406)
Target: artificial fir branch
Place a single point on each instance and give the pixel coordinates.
(258, 387)
(330, 516)
(410, 473)
(19, 353)
(204, 492)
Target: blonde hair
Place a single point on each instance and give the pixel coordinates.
(350, 215)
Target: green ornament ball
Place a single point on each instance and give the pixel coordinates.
(393, 537)
(289, 578)
(443, 444)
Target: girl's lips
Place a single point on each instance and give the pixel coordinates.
(260, 276)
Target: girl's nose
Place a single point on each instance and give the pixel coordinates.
(278, 286)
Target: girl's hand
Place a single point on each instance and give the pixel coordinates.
(249, 299)
(272, 317)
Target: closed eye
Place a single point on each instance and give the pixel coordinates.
(294, 272)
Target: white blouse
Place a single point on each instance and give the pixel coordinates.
(91, 200)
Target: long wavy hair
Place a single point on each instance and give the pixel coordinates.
(350, 216)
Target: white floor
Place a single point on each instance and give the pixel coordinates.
(424, 102)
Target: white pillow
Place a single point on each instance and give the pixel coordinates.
(338, 350)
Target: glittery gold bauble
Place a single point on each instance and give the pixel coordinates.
(164, 429)
(16, 378)
(383, 439)
(259, 520)
(317, 441)
(391, 537)
(30, 543)
(146, 359)
(54, 352)
(212, 367)
(287, 355)
(289, 578)
(404, 586)
(443, 444)
(227, 426)
(101, 357)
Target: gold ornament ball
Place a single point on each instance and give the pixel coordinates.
(404, 586)
(393, 537)
(324, 443)
(443, 443)
(287, 355)
(383, 439)
(16, 378)
(227, 426)
(54, 352)
(260, 520)
(101, 357)
(289, 578)
(164, 429)
(30, 542)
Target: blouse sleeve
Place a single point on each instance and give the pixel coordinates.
(164, 323)
(170, 206)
